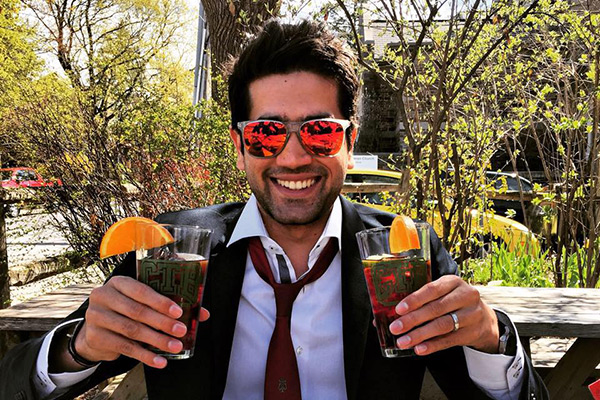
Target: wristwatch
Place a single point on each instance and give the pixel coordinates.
(71, 348)
(503, 342)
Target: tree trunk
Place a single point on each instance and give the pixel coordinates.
(4, 277)
(229, 22)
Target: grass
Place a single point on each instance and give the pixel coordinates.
(509, 268)
(502, 267)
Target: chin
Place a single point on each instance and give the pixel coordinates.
(303, 218)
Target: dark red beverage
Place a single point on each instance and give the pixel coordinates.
(182, 280)
(390, 279)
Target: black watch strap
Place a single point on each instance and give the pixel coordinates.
(71, 348)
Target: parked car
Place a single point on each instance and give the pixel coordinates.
(490, 225)
(24, 177)
(508, 197)
(19, 182)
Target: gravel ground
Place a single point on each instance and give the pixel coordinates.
(33, 236)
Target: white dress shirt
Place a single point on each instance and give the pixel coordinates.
(316, 330)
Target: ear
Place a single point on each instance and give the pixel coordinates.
(353, 138)
(237, 142)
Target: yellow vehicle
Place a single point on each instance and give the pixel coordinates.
(377, 188)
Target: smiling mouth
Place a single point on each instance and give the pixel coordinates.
(296, 185)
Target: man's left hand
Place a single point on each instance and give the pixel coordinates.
(429, 309)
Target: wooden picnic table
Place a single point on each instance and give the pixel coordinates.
(535, 312)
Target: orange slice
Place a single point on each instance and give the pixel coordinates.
(133, 233)
(403, 235)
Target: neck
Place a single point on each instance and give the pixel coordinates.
(296, 240)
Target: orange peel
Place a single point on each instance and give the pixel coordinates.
(403, 235)
(133, 233)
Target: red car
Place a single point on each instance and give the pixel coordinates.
(24, 177)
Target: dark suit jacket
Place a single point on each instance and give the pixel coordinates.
(368, 374)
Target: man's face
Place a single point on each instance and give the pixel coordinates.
(294, 188)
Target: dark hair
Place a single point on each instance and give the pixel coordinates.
(285, 48)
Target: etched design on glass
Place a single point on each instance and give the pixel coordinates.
(392, 280)
(166, 277)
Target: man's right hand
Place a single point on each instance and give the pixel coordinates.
(123, 315)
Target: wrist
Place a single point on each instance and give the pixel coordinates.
(490, 346)
(72, 350)
(489, 342)
(59, 359)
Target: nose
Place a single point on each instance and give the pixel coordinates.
(293, 154)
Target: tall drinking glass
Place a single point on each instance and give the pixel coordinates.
(177, 270)
(392, 277)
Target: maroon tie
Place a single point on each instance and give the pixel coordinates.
(281, 377)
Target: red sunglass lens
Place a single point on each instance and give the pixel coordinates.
(322, 138)
(264, 138)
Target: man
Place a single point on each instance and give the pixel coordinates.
(288, 75)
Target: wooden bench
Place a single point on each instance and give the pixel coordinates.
(39, 315)
(559, 313)
(35, 317)
(567, 313)
(43, 313)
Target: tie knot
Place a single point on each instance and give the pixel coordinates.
(262, 266)
(286, 293)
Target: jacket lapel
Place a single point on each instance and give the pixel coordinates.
(356, 308)
(227, 287)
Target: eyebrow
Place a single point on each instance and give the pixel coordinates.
(306, 118)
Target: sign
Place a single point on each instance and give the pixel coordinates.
(364, 161)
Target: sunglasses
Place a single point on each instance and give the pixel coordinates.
(319, 137)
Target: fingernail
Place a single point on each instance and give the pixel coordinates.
(175, 311)
(401, 307)
(175, 346)
(179, 329)
(159, 361)
(403, 341)
(420, 349)
(396, 327)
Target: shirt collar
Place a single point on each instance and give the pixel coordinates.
(251, 224)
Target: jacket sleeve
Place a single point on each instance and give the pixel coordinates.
(18, 365)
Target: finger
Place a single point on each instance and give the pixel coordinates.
(105, 339)
(204, 314)
(134, 330)
(460, 297)
(429, 292)
(116, 301)
(458, 338)
(146, 295)
(441, 326)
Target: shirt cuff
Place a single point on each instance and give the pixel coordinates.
(500, 376)
(45, 382)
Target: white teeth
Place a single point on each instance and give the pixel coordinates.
(296, 185)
